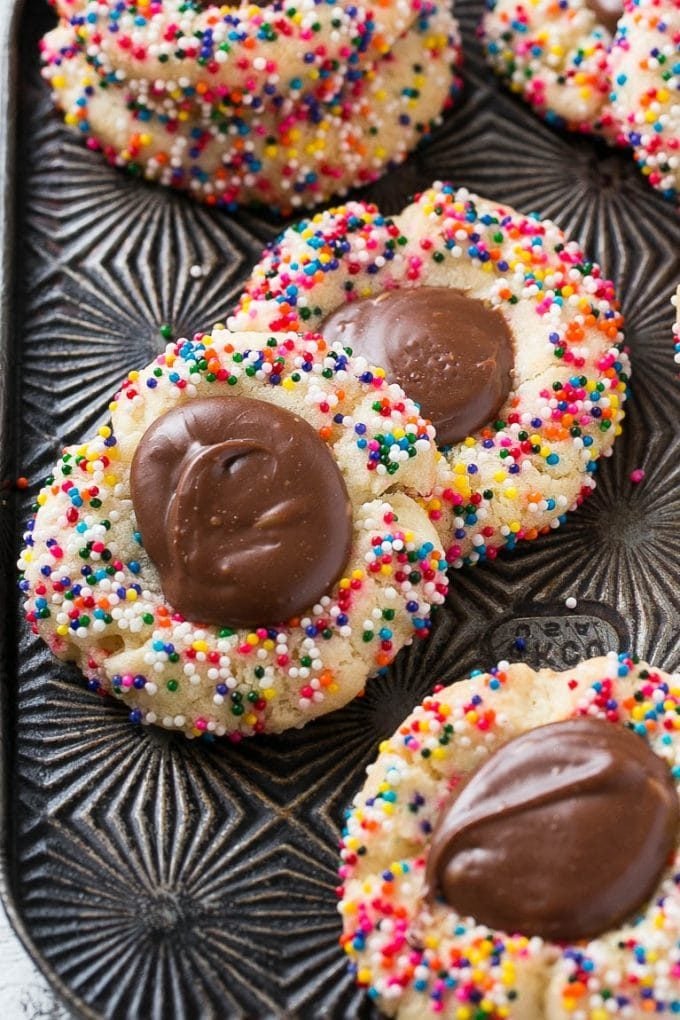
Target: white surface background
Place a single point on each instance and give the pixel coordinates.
(24, 993)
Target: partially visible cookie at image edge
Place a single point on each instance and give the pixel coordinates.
(552, 799)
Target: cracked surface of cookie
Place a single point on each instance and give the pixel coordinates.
(412, 951)
(614, 72)
(94, 592)
(518, 474)
(288, 150)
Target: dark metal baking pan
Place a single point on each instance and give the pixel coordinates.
(152, 877)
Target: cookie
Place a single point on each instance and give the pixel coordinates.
(514, 852)
(542, 391)
(291, 152)
(241, 548)
(609, 68)
(555, 56)
(189, 51)
(645, 98)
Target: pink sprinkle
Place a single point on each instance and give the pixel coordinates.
(637, 476)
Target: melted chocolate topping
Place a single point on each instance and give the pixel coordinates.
(242, 509)
(607, 12)
(448, 351)
(564, 832)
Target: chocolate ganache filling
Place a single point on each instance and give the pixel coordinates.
(607, 12)
(563, 832)
(449, 352)
(242, 509)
